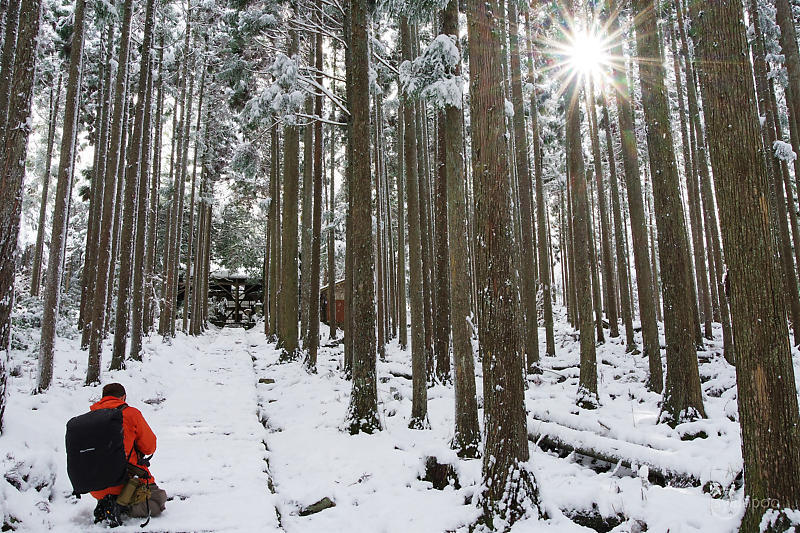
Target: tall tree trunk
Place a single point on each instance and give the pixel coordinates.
(188, 293)
(155, 187)
(609, 283)
(467, 435)
(425, 236)
(127, 125)
(142, 209)
(581, 228)
(7, 64)
(331, 217)
(506, 480)
(775, 177)
(168, 237)
(789, 47)
(656, 280)
(638, 220)
(545, 277)
(275, 239)
(442, 256)
(287, 325)
(619, 230)
(380, 272)
(316, 223)
(693, 194)
(683, 399)
(104, 259)
(55, 264)
(402, 314)
(133, 176)
(12, 158)
(764, 376)
(597, 298)
(89, 277)
(36, 271)
(362, 412)
(419, 404)
(306, 214)
(527, 268)
(787, 184)
(181, 173)
(705, 183)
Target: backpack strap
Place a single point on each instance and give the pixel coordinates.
(121, 407)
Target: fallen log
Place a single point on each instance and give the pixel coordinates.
(601, 462)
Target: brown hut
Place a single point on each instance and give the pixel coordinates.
(338, 291)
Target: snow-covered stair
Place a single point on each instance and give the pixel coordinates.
(198, 395)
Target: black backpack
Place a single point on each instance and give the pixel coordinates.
(96, 450)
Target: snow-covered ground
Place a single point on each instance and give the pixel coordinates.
(246, 443)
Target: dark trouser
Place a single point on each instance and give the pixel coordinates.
(157, 503)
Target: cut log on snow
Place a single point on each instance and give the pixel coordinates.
(603, 453)
(600, 461)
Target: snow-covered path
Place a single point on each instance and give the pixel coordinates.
(199, 397)
(246, 443)
(213, 456)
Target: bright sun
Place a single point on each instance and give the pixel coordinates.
(587, 55)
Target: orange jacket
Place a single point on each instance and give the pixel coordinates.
(137, 436)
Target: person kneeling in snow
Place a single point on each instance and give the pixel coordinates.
(140, 496)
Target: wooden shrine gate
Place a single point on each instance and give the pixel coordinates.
(234, 301)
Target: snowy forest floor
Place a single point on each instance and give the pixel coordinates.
(246, 443)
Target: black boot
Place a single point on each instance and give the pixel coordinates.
(108, 510)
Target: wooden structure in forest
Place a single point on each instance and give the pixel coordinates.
(338, 291)
(234, 301)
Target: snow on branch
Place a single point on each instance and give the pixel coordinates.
(432, 74)
(783, 151)
(283, 97)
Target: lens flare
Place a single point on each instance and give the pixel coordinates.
(587, 54)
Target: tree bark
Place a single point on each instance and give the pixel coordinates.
(89, 275)
(609, 283)
(527, 269)
(764, 375)
(7, 64)
(331, 217)
(188, 289)
(306, 213)
(287, 326)
(155, 187)
(507, 482)
(467, 435)
(619, 230)
(442, 255)
(362, 415)
(134, 175)
(682, 396)
(402, 305)
(693, 194)
(275, 229)
(705, 185)
(638, 220)
(545, 277)
(36, 271)
(419, 404)
(12, 158)
(316, 223)
(142, 209)
(55, 263)
(104, 259)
